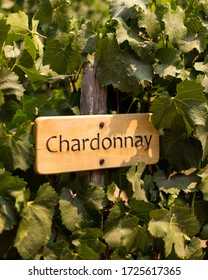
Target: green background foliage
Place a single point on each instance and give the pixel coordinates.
(153, 57)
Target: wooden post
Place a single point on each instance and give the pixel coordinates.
(93, 102)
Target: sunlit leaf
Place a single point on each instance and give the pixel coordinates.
(35, 225)
(16, 149)
(176, 183)
(121, 69)
(10, 84)
(176, 30)
(189, 103)
(175, 226)
(134, 177)
(19, 25)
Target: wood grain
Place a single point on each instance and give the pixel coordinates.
(77, 143)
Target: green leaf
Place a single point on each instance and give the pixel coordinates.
(189, 103)
(181, 151)
(72, 210)
(4, 28)
(120, 69)
(91, 237)
(13, 197)
(10, 85)
(35, 225)
(117, 235)
(176, 183)
(202, 134)
(150, 22)
(62, 55)
(204, 182)
(141, 209)
(84, 252)
(84, 205)
(202, 67)
(8, 216)
(16, 149)
(176, 30)
(139, 45)
(194, 249)
(134, 177)
(19, 26)
(168, 62)
(175, 226)
(117, 212)
(54, 12)
(196, 37)
(13, 189)
(138, 239)
(87, 38)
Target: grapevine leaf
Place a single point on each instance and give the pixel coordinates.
(168, 62)
(2, 100)
(91, 237)
(189, 103)
(122, 70)
(36, 37)
(174, 226)
(8, 216)
(176, 183)
(202, 135)
(150, 22)
(84, 205)
(204, 83)
(192, 102)
(204, 232)
(44, 12)
(66, 55)
(16, 149)
(181, 151)
(117, 212)
(19, 26)
(176, 30)
(84, 252)
(9, 84)
(13, 197)
(119, 234)
(11, 51)
(13, 189)
(4, 28)
(204, 182)
(72, 210)
(202, 67)
(35, 225)
(141, 209)
(138, 44)
(137, 239)
(134, 177)
(194, 249)
(196, 37)
(204, 4)
(87, 38)
(54, 12)
(124, 8)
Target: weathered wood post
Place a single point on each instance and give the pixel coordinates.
(93, 102)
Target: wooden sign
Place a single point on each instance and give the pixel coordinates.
(77, 143)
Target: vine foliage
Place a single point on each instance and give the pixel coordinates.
(152, 57)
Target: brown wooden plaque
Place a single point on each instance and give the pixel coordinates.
(77, 143)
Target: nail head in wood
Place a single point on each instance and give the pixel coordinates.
(102, 124)
(102, 161)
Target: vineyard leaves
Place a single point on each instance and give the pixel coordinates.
(36, 219)
(152, 57)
